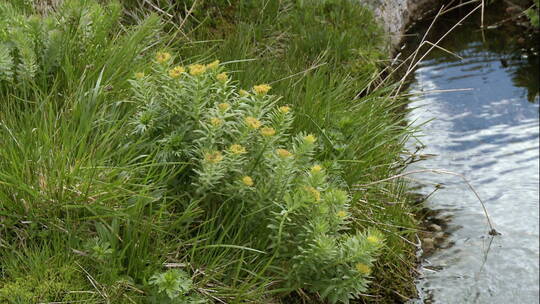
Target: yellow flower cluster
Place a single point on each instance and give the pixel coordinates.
(243, 93)
(252, 122)
(237, 149)
(213, 65)
(213, 157)
(261, 89)
(284, 109)
(314, 193)
(197, 69)
(224, 106)
(222, 77)
(268, 131)
(283, 153)
(363, 268)
(248, 181)
(341, 214)
(139, 75)
(373, 239)
(316, 169)
(216, 122)
(162, 57)
(310, 139)
(176, 71)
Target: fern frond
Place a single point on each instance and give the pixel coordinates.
(26, 56)
(6, 64)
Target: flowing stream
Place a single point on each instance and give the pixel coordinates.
(485, 127)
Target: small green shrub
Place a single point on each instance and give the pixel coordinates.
(176, 286)
(36, 44)
(244, 157)
(67, 44)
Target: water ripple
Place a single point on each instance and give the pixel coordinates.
(491, 135)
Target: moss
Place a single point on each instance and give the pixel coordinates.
(45, 279)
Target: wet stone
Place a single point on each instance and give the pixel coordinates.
(435, 227)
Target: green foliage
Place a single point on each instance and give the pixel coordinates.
(324, 59)
(124, 164)
(100, 250)
(533, 14)
(176, 285)
(39, 275)
(245, 157)
(67, 45)
(65, 174)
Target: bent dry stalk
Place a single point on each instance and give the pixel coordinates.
(492, 230)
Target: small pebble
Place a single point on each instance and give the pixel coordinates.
(439, 235)
(428, 244)
(435, 227)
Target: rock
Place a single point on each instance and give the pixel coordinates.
(396, 15)
(513, 10)
(435, 227)
(428, 244)
(439, 236)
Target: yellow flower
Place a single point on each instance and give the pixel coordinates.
(252, 122)
(316, 169)
(243, 93)
(284, 109)
(261, 89)
(213, 157)
(213, 65)
(310, 139)
(248, 181)
(373, 239)
(222, 77)
(176, 71)
(314, 193)
(283, 153)
(363, 268)
(224, 106)
(268, 131)
(197, 69)
(162, 57)
(216, 122)
(139, 75)
(237, 149)
(341, 214)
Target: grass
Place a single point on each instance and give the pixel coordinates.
(532, 14)
(91, 209)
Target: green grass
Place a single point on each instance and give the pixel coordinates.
(533, 15)
(73, 183)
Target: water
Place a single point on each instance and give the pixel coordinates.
(490, 134)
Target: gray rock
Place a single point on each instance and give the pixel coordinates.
(428, 243)
(435, 228)
(439, 236)
(396, 15)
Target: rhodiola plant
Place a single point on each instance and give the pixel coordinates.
(242, 155)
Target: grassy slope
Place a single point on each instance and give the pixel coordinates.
(318, 55)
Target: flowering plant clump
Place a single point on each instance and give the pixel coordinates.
(243, 157)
